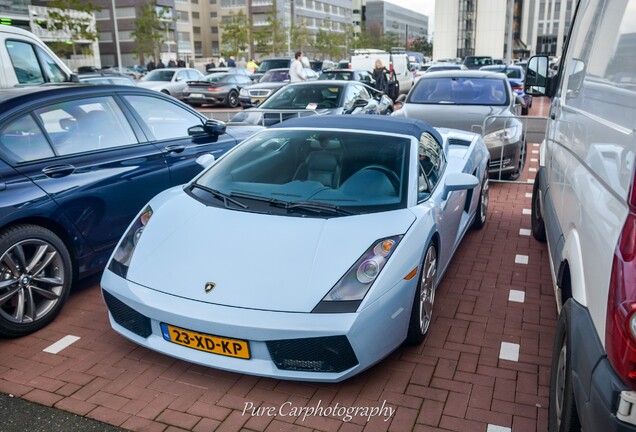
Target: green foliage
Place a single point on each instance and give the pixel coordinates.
(77, 26)
(150, 30)
(421, 44)
(235, 34)
(300, 37)
(271, 38)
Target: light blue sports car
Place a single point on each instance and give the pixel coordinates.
(309, 252)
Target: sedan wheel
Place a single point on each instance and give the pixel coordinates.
(35, 279)
(422, 312)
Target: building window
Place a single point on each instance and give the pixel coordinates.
(126, 36)
(196, 30)
(103, 14)
(125, 12)
(198, 49)
(226, 4)
(213, 15)
(183, 17)
(105, 36)
(212, 1)
(195, 15)
(195, 1)
(215, 30)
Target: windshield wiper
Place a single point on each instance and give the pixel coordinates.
(316, 207)
(220, 195)
(259, 198)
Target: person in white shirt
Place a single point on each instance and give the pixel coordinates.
(296, 71)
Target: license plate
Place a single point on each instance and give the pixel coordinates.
(205, 342)
(196, 95)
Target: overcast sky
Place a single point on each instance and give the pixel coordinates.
(426, 7)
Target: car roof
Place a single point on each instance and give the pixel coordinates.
(396, 125)
(500, 67)
(322, 83)
(465, 74)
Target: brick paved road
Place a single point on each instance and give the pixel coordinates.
(484, 367)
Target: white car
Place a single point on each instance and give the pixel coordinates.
(171, 81)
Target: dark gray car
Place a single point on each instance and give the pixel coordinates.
(475, 101)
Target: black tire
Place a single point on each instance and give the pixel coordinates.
(522, 158)
(562, 413)
(481, 214)
(232, 99)
(420, 320)
(195, 104)
(165, 92)
(36, 275)
(538, 224)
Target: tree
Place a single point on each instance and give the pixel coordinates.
(235, 34)
(271, 38)
(149, 32)
(421, 44)
(73, 17)
(300, 37)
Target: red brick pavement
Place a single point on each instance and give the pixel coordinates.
(454, 381)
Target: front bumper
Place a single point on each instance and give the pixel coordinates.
(206, 99)
(504, 158)
(277, 341)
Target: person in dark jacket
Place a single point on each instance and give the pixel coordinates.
(160, 65)
(181, 63)
(172, 63)
(151, 65)
(380, 76)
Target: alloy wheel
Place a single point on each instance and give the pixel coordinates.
(560, 383)
(427, 291)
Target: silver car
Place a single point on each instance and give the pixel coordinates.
(475, 101)
(171, 81)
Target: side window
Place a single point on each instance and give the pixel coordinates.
(193, 76)
(25, 62)
(165, 120)
(432, 163)
(85, 125)
(363, 93)
(23, 141)
(53, 71)
(182, 76)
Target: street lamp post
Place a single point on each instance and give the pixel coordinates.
(118, 49)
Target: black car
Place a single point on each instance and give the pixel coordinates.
(348, 75)
(270, 83)
(77, 163)
(216, 89)
(271, 63)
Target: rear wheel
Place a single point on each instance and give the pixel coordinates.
(35, 278)
(538, 224)
(422, 311)
(232, 99)
(482, 206)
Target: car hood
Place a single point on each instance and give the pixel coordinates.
(464, 117)
(256, 261)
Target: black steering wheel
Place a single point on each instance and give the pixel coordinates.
(393, 177)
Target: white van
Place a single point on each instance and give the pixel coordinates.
(365, 60)
(26, 60)
(584, 205)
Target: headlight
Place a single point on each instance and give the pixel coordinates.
(503, 136)
(348, 293)
(243, 92)
(123, 254)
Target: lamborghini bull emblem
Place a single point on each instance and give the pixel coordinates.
(209, 287)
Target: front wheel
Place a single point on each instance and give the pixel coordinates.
(482, 206)
(562, 413)
(422, 311)
(35, 278)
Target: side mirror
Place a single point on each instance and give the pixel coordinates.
(360, 103)
(459, 181)
(537, 82)
(211, 127)
(205, 160)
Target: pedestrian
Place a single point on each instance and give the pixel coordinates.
(296, 70)
(210, 65)
(379, 76)
(181, 63)
(172, 63)
(222, 61)
(252, 66)
(151, 65)
(242, 63)
(160, 65)
(231, 62)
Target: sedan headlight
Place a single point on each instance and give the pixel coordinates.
(243, 92)
(123, 254)
(503, 136)
(348, 293)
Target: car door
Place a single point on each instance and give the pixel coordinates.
(165, 123)
(86, 155)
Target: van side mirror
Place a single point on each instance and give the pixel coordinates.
(537, 82)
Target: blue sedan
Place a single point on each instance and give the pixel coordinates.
(77, 162)
(309, 252)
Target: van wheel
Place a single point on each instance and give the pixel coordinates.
(422, 311)
(562, 413)
(538, 224)
(35, 278)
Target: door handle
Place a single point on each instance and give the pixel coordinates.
(176, 148)
(57, 171)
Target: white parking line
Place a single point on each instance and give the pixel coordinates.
(532, 169)
(526, 211)
(517, 296)
(535, 151)
(509, 351)
(495, 428)
(528, 194)
(534, 160)
(521, 259)
(58, 346)
(531, 181)
(525, 232)
(536, 145)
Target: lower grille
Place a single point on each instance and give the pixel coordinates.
(321, 354)
(126, 316)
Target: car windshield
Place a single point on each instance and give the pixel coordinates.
(510, 72)
(273, 64)
(275, 76)
(459, 91)
(333, 75)
(312, 172)
(477, 62)
(315, 96)
(159, 75)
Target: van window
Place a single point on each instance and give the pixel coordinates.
(52, 69)
(25, 62)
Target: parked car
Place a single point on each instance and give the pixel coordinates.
(231, 70)
(473, 101)
(476, 62)
(316, 97)
(321, 65)
(270, 83)
(516, 77)
(271, 63)
(26, 60)
(123, 71)
(439, 67)
(106, 78)
(77, 162)
(348, 75)
(171, 81)
(216, 89)
(584, 205)
(365, 211)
